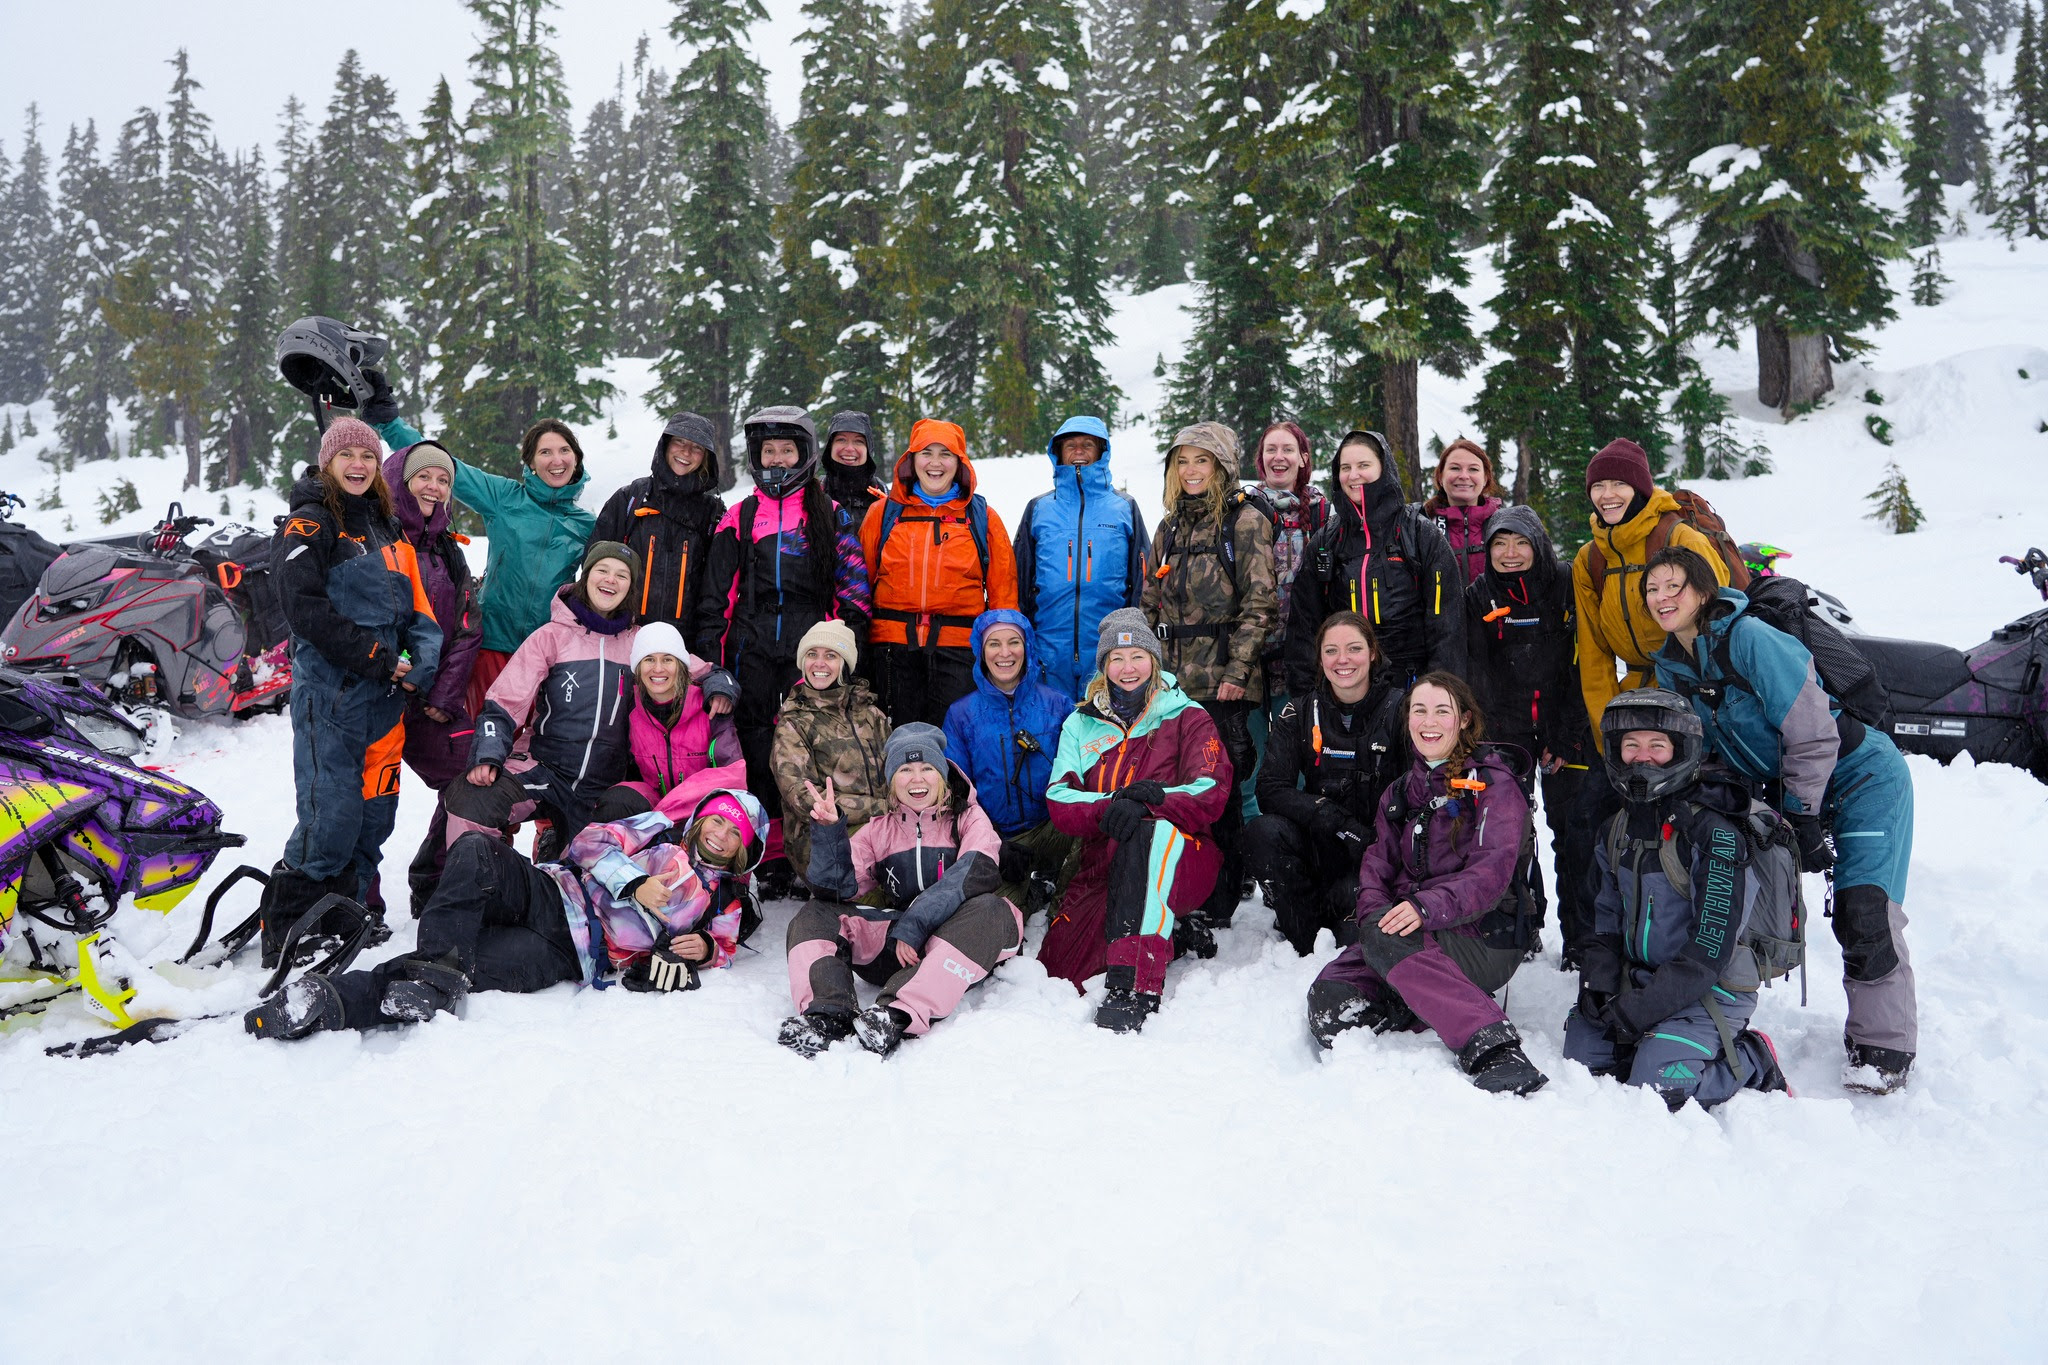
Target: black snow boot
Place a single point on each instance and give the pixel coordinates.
(1494, 1059)
(415, 987)
(1335, 1007)
(304, 1006)
(1192, 933)
(1872, 1070)
(775, 881)
(291, 894)
(1124, 1008)
(1769, 1076)
(811, 1033)
(880, 1028)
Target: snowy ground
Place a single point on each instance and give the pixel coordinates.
(582, 1175)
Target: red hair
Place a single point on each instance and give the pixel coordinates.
(1438, 500)
(1301, 475)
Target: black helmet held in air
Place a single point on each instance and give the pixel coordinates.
(1652, 708)
(326, 359)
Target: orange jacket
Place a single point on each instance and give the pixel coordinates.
(928, 581)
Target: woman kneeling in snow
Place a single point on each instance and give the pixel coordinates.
(1433, 892)
(928, 923)
(626, 900)
(1140, 778)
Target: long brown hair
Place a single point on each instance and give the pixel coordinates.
(530, 442)
(1471, 722)
(332, 493)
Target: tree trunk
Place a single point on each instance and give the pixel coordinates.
(1772, 364)
(1808, 372)
(1403, 431)
(239, 441)
(1525, 468)
(188, 426)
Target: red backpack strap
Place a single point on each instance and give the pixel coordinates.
(1660, 534)
(1596, 567)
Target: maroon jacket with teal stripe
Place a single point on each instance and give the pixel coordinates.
(1172, 742)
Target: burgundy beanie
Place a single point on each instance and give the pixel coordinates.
(1622, 459)
(348, 431)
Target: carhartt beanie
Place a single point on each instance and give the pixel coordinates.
(1127, 628)
(1622, 459)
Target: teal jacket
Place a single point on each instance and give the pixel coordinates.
(537, 534)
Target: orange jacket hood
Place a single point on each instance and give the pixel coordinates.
(931, 431)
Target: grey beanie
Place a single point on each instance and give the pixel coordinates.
(913, 743)
(1127, 628)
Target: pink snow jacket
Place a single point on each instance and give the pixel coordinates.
(605, 864)
(927, 862)
(1465, 529)
(569, 687)
(690, 754)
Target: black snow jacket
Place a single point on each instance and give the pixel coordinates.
(853, 487)
(1393, 566)
(668, 518)
(1522, 649)
(351, 588)
(1322, 753)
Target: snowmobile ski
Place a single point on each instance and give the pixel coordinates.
(235, 939)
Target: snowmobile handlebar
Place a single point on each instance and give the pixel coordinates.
(170, 533)
(2034, 566)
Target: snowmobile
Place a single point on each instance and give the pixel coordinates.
(23, 557)
(195, 628)
(81, 828)
(1763, 560)
(1987, 702)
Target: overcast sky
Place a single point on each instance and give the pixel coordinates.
(99, 59)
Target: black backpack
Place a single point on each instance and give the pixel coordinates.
(1845, 674)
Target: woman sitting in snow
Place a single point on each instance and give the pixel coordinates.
(684, 745)
(625, 901)
(927, 924)
(1435, 899)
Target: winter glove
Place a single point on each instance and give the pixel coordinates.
(1621, 1030)
(1147, 794)
(1328, 821)
(1123, 819)
(662, 970)
(1600, 966)
(1015, 863)
(1595, 1007)
(382, 406)
(1815, 853)
(1356, 836)
(719, 683)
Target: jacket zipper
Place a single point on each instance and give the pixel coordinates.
(1081, 531)
(596, 715)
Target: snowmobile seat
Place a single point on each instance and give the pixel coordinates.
(1918, 670)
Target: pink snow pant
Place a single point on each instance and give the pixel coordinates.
(829, 942)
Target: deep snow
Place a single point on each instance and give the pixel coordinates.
(591, 1175)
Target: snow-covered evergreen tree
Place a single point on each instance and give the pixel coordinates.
(28, 266)
(87, 374)
(1239, 365)
(1393, 127)
(1892, 503)
(166, 287)
(716, 285)
(646, 243)
(1004, 286)
(1768, 134)
(837, 342)
(604, 182)
(1576, 252)
(1960, 33)
(2023, 189)
(511, 345)
(1928, 281)
(1926, 144)
(245, 394)
(1147, 66)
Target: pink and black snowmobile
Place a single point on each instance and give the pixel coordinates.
(157, 621)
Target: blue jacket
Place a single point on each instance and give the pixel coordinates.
(982, 728)
(1080, 555)
(1772, 720)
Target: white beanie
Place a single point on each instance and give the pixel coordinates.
(659, 637)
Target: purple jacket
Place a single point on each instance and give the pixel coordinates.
(1469, 844)
(434, 750)
(1465, 528)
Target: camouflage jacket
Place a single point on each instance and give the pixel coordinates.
(837, 733)
(1214, 606)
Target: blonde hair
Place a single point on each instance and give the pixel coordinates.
(1211, 501)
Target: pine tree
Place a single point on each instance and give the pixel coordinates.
(1147, 61)
(87, 373)
(1928, 280)
(1768, 133)
(2023, 195)
(1239, 366)
(603, 183)
(1893, 502)
(244, 384)
(716, 287)
(1959, 33)
(1926, 142)
(647, 245)
(1574, 243)
(163, 296)
(365, 273)
(28, 267)
(1007, 289)
(835, 340)
(511, 345)
(1395, 126)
